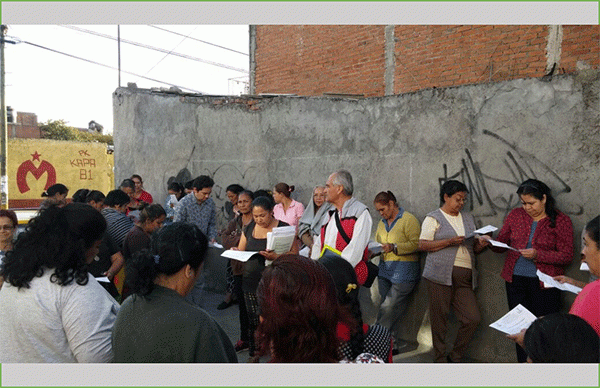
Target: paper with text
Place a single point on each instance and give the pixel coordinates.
(501, 245)
(549, 282)
(280, 239)
(238, 255)
(374, 247)
(514, 321)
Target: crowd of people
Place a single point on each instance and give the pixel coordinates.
(110, 278)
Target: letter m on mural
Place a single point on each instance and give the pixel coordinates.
(28, 167)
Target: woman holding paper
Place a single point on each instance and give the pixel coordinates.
(450, 271)
(543, 237)
(254, 238)
(398, 232)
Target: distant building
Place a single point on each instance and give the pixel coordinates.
(25, 127)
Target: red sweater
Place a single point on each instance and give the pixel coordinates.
(554, 246)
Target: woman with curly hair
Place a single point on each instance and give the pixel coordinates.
(51, 309)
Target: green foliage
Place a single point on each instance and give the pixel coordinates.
(59, 130)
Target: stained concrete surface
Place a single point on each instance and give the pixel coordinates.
(491, 136)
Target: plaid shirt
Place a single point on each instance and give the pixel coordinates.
(203, 216)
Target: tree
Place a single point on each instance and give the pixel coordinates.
(59, 130)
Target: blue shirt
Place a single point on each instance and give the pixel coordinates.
(203, 215)
(526, 267)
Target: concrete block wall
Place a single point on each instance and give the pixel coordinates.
(491, 136)
(312, 60)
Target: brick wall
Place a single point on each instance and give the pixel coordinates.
(312, 60)
(26, 127)
(580, 43)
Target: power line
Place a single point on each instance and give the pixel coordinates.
(109, 67)
(158, 49)
(198, 40)
(166, 55)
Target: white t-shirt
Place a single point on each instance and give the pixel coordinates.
(52, 323)
(431, 225)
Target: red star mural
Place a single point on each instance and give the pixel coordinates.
(36, 156)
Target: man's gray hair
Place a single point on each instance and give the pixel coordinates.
(344, 179)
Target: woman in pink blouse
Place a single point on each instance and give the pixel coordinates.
(543, 237)
(287, 209)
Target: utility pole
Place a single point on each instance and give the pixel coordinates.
(4, 129)
(119, 50)
(3, 125)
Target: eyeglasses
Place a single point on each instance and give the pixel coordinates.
(6, 227)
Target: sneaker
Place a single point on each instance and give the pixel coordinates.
(241, 345)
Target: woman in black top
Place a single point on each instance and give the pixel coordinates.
(254, 239)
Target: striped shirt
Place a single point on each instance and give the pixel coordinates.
(117, 225)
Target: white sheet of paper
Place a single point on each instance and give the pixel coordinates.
(215, 245)
(549, 282)
(374, 247)
(280, 239)
(304, 252)
(514, 321)
(501, 244)
(103, 279)
(584, 267)
(238, 255)
(486, 229)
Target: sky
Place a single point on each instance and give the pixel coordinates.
(55, 86)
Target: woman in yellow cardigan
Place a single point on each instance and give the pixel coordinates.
(399, 270)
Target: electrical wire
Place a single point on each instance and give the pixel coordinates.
(109, 67)
(198, 40)
(157, 49)
(166, 55)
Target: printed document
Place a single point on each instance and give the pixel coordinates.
(481, 231)
(549, 282)
(238, 255)
(281, 239)
(514, 321)
(374, 247)
(501, 245)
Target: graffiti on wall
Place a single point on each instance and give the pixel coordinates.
(493, 191)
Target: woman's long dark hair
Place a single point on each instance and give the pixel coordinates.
(172, 247)
(57, 239)
(538, 189)
(347, 289)
(298, 304)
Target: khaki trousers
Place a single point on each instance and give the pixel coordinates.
(461, 297)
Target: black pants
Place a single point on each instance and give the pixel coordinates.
(527, 292)
(239, 293)
(253, 319)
